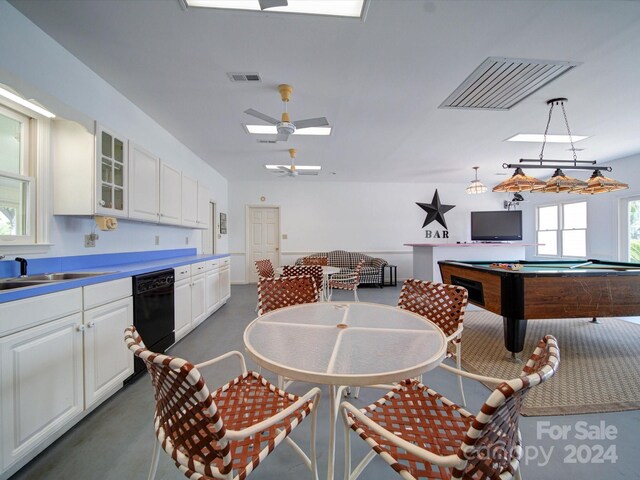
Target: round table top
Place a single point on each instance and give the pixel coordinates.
(345, 343)
(326, 269)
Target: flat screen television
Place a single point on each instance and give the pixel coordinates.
(497, 226)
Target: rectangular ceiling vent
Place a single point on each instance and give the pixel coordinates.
(500, 83)
(244, 76)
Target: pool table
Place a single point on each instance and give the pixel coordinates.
(539, 290)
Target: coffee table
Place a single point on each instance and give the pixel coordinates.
(344, 344)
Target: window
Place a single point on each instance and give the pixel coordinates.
(561, 230)
(17, 186)
(630, 229)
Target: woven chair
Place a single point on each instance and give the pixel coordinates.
(264, 268)
(285, 291)
(346, 281)
(314, 270)
(324, 261)
(443, 304)
(223, 434)
(422, 434)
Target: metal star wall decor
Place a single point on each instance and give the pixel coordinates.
(435, 211)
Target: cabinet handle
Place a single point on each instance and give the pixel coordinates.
(80, 328)
(91, 324)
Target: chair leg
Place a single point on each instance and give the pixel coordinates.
(356, 393)
(154, 459)
(355, 294)
(347, 453)
(518, 475)
(459, 365)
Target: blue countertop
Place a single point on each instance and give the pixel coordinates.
(119, 265)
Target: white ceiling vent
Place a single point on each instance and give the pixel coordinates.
(244, 76)
(500, 83)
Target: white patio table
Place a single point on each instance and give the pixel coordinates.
(344, 344)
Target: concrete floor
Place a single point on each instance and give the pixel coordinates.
(115, 441)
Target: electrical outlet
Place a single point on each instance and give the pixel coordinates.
(157, 239)
(285, 236)
(90, 240)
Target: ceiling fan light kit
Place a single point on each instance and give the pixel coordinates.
(559, 182)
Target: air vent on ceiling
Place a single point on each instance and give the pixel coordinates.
(500, 83)
(244, 76)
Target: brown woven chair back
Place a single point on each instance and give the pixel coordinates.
(281, 292)
(315, 261)
(358, 270)
(443, 304)
(492, 445)
(265, 268)
(185, 413)
(314, 270)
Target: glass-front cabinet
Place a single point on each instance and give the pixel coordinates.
(112, 173)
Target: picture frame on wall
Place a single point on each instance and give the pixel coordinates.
(223, 223)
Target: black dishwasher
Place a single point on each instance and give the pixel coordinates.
(153, 312)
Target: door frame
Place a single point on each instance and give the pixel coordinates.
(249, 266)
(623, 227)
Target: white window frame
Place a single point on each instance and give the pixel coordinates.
(623, 254)
(561, 229)
(38, 148)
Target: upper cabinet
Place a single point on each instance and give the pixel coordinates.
(105, 174)
(112, 173)
(144, 183)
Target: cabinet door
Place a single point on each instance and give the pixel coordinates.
(111, 181)
(189, 201)
(107, 360)
(170, 195)
(41, 384)
(212, 291)
(144, 184)
(198, 299)
(182, 305)
(203, 205)
(225, 283)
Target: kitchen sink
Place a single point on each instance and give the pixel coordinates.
(10, 285)
(56, 277)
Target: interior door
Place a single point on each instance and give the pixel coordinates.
(264, 238)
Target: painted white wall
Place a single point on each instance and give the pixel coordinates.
(38, 67)
(603, 219)
(373, 218)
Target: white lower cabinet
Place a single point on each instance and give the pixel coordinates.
(182, 300)
(41, 386)
(225, 280)
(107, 360)
(213, 285)
(198, 299)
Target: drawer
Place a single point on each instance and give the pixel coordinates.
(225, 262)
(182, 272)
(106, 292)
(197, 268)
(213, 264)
(21, 314)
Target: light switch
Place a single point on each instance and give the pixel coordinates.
(284, 236)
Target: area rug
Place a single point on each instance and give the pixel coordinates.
(599, 363)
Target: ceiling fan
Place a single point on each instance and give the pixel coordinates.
(285, 126)
(291, 170)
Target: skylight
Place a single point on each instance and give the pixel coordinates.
(271, 130)
(341, 8)
(298, 167)
(539, 138)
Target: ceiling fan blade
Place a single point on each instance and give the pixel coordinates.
(264, 4)
(307, 172)
(282, 137)
(261, 116)
(311, 122)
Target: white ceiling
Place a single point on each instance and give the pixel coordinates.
(379, 81)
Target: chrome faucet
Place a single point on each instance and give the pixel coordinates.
(23, 266)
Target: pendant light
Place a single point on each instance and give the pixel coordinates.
(476, 185)
(559, 182)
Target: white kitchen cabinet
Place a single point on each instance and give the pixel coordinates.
(41, 385)
(204, 197)
(182, 300)
(198, 294)
(144, 184)
(213, 285)
(225, 279)
(189, 201)
(170, 195)
(107, 360)
(90, 171)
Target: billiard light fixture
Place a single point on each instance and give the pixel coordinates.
(476, 185)
(559, 182)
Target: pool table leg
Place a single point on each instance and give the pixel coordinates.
(515, 330)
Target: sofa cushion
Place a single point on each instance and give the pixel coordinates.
(340, 258)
